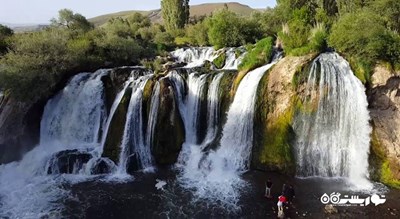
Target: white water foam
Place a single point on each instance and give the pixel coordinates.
(333, 140)
(215, 175)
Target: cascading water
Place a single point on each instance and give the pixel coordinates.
(133, 142)
(151, 123)
(196, 56)
(212, 110)
(190, 112)
(26, 191)
(232, 62)
(333, 139)
(215, 174)
(81, 102)
(114, 107)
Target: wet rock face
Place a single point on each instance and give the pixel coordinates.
(384, 105)
(103, 166)
(275, 108)
(169, 129)
(19, 128)
(68, 161)
(112, 146)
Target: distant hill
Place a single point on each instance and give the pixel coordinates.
(195, 10)
(20, 28)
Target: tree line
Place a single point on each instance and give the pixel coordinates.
(364, 31)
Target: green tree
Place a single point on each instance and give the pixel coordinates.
(227, 29)
(175, 13)
(390, 12)
(67, 18)
(5, 33)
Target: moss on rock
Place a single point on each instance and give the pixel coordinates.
(219, 62)
(382, 168)
(278, 101)
(169, 128)
(273, 135)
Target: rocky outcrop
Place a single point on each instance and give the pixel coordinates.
(275, 108)
(112, 146)
(19, 128)
(384, 105)
(169, 129)
(69, 161)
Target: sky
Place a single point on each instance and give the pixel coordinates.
(41, 11)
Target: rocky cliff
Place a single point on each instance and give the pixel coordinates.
(384, 106)
(276, 105)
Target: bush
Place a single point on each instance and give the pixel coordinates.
(227, 29)
(35, 63)
(260, 55)
(363, 37)
(197, 34)
(5, 33)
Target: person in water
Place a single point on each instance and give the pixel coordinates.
(268, 187)
(281, 200)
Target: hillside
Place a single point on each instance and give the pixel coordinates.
(195, 11)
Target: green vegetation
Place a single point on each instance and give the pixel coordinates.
(366, 32)
(67, 18)
(382, 168)
(37, 62)
(5, 33)
(219, 62)
(364, 37)
(258, 56)
(228, 29)
(175, 13)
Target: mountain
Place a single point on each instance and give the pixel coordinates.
(195, 11)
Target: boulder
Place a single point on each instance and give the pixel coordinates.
(102, 166)
(69, 161)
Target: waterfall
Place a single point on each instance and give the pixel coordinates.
(232, 62)
(215, 174)
(133, 142)
(71, 120)
(81, 102)
(154, 105)
(237, 137)
(196, 85)
(333, 139)
(212, 109)
(114, 107)
(196, 56)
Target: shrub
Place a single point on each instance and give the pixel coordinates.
(363, 37)
(227, 29)
(260, 55)
(35, 63)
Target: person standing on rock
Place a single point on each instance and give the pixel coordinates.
(268, 187)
